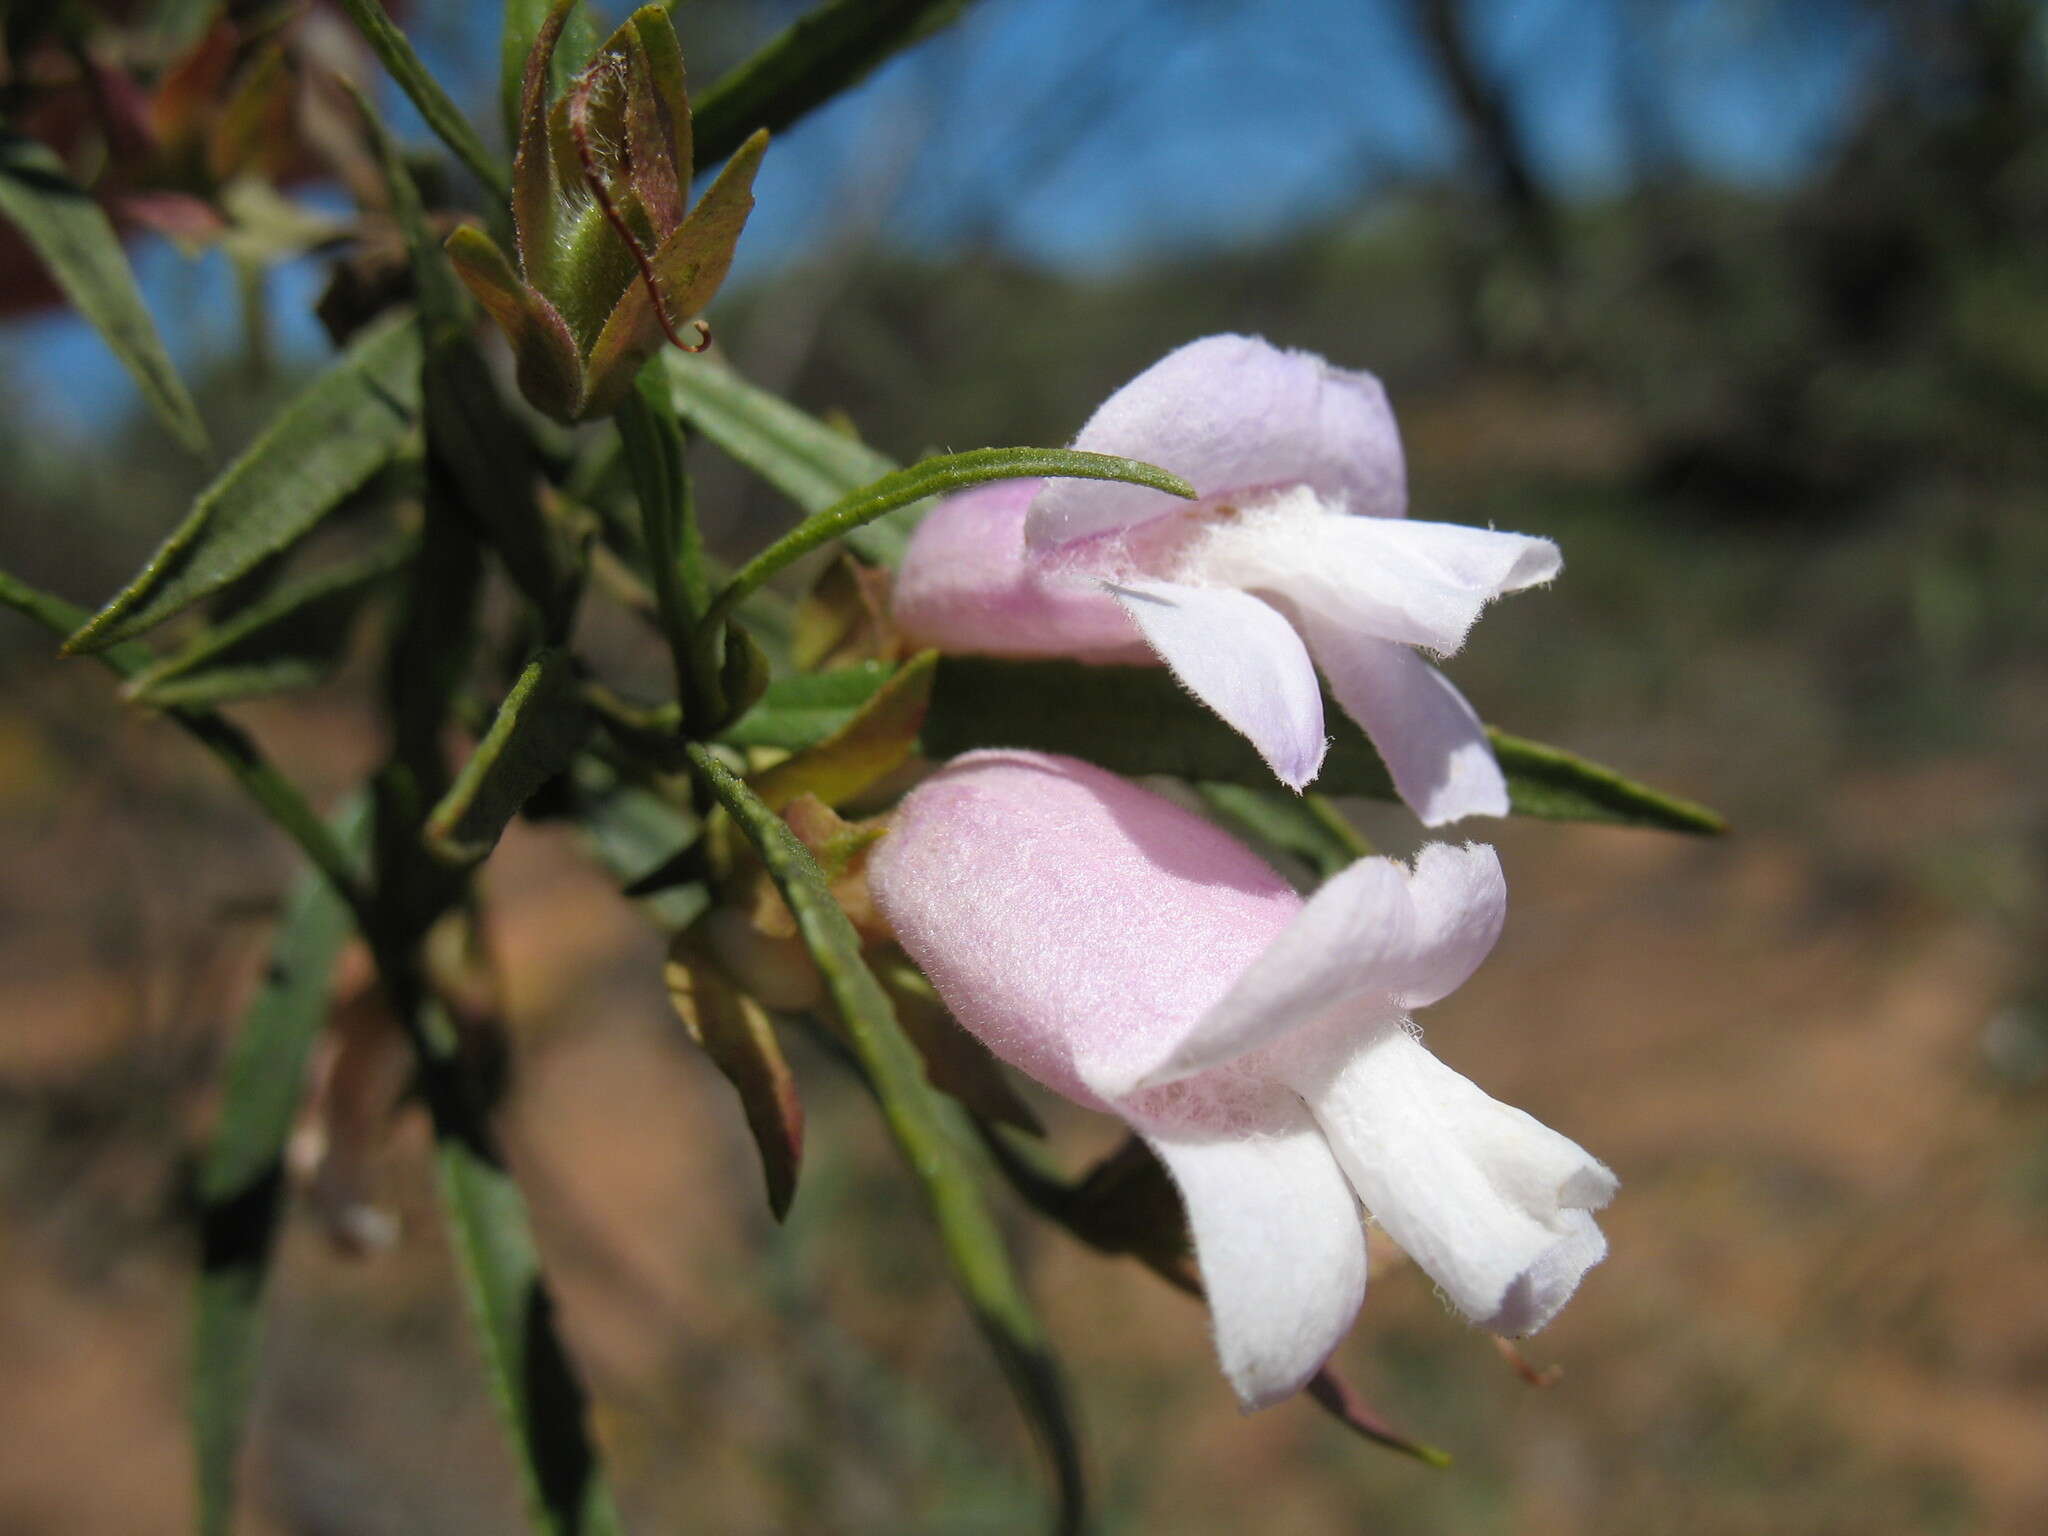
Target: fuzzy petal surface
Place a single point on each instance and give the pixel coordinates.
(1233, 413)
(1492, 1203)
(1432, 740)
(1077, 925)
(1243, 659)
(965, 585)
(1277, 1237)
(1345, 947)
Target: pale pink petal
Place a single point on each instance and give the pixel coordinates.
(1242, 659)
(1354, 934)
(1232, 413)
(1278, 1240)
(964, 585)
(1432, 740)
(1460, 900)
(1061, 912)
(1393, 579)
(1489, 1201)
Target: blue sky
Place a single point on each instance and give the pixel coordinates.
(1084, 134)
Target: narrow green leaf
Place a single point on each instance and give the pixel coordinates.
(936, 477)
(289, 638)
(241, 1179)
(799, 711)
(1303, 825)
(538, 728)
(825, 51)
(536, 1389)
(644, 841)
(1137, 720)
(78, 244)
(325, 444)
(653, 443)
(440, 113)
(813, 464)
(917, 1119)
(274, 794)
(1547, 781)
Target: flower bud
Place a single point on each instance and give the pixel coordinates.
(609, 263)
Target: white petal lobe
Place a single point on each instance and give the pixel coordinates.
(1242, 659)
(1432, 740)
(1488, 1200)
(1279, 1243)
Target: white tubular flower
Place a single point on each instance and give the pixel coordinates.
(1299, 548)
(1137, 959)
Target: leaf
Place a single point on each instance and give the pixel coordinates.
(537, 730)
(937, 477)
(324, 445)
(802, 710)
(523, 18)
(830, 48)
(273, 793)
(241, 1177)
(1136, 721)
(653, 444)
(874, 743)
(542, 1403)
(77, 242)
(644, 841)
(289, 638)
(1549, 782)
(844, 618)
(1306, 826)
(917, 1119)
(809, 462)
(440, 113)
(734, 1031)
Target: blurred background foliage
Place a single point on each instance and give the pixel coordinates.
(1743, 301)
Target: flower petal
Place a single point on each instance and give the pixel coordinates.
(1351, 936)
(1064, 914)
(1278, 1240)
(1419, 583)
(965, 585)
(1431, 739)
(1241, 658)
(1460, 900)
(1488, 1200)
(1232, 413)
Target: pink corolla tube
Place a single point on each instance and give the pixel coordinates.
(1132, 956)
(1299, 548)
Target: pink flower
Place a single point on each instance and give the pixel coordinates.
(1135, 958)
(1298, 547)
